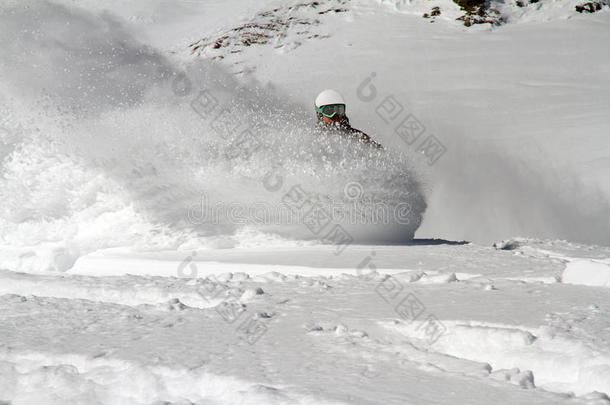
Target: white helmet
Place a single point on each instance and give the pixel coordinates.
(328, 97)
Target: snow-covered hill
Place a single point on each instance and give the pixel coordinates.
(175, 229)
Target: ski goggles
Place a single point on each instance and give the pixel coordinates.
(331, 110)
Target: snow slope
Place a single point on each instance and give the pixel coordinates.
(151, 253)
(512, 330)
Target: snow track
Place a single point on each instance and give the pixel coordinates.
(559, 362)
(139, 291)
(339, 338)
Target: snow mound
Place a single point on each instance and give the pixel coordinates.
(587, 272)
(78, 379)
(584, 264)
(524, 379)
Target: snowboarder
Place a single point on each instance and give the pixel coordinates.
(330, 110)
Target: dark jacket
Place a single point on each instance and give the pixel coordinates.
(346, 129)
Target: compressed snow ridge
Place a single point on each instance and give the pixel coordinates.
(555, 362)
